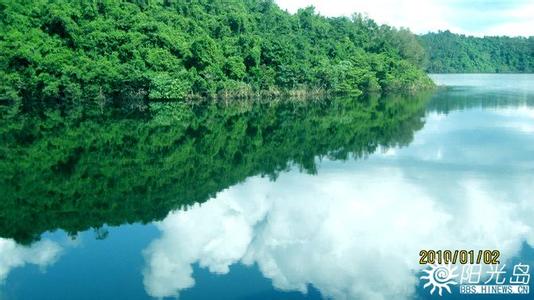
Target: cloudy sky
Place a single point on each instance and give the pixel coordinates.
(474, 17)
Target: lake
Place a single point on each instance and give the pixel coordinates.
(331, 198)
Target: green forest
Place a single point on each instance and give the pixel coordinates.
(455, 53)
(88, 136)
(120, 53)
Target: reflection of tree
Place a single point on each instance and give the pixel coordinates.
(77, 174)
(101, 233)
(447, 99)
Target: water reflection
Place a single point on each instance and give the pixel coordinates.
(355, 229)
(12, 255)
(75, 174)
(482, 91)
(352, 232)
(272, 186)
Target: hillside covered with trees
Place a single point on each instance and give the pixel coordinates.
(110, 53)
(454, 53)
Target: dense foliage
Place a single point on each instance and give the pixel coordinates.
(454, 53)
(107, 53)
(74, 174)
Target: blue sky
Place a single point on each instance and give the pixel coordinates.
(478, 17)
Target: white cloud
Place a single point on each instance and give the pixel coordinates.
(433, 15)
(344, 231)
(215, 245)
(13, 255)
(521, 23)
(419, 16)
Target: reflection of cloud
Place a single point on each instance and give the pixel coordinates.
(350, 234)
(435, 117)
(355, 230)
(215, 244)
(521, 118)
(521, 111)
(386, 152)
(12, 255)
(500, 139)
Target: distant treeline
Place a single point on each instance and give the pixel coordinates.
(455, 53)
(108, 52)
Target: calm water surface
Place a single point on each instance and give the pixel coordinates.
(285, 201)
